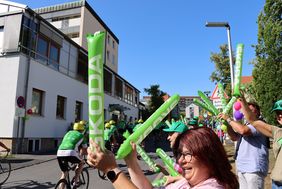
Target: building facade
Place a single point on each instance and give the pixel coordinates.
(76, 20)
(43, 71)
(187, 107)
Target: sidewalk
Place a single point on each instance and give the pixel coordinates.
(19, 161)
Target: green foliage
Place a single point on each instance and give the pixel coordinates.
(267, 71)
(156, 97)
(222, 68)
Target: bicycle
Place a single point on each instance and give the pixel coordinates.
(66, 183)
(5, 168)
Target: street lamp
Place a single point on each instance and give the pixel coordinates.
(227, 26)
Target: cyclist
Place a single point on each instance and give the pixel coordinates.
(73, 146)
(4, 146)
(109, 135)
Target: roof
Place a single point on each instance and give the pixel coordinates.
(246, 79)
(72, 5)
(16, 5)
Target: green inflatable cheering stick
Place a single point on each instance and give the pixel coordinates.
(96, 45)
(203, 105)
(169, 163)
(221, 95)
(144, 155)
(238, 69)
(208, 102)
(147, 126)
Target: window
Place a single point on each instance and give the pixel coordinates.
(107, 81)
(28, 36)
(37, 101)
(54, 53)
(128, 94)
(118, 87)
(113, 44)
(78, 110)
(108, 55)
(113, 59)
(42, 48)
(61, 101)
(82, 67)
(33, 145)
(108, 39)
(48, 51)
(54, 56)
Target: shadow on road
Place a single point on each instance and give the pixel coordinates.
(27, 184)
(12, 160)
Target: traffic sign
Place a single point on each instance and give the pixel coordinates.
(20, 101)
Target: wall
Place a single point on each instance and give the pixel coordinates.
(9, 67)
(91, 25)
(53, 83)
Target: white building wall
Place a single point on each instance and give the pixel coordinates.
(54, 83)
(195, 109)
(8, 88)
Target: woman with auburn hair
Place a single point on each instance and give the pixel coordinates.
(199, 153)
(200, 149)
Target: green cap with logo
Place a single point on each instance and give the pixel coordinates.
(177, 126)
(277, 106)
(192, 122)
(196, 118)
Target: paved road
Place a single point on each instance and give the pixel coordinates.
(42, 172)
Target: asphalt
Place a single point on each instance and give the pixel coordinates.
(19, 161)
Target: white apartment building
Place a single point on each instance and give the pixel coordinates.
(76, 20)
(43, 70)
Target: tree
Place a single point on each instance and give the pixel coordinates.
(156, 97)
(267, 70)
(222, 68)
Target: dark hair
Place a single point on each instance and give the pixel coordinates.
(205, 145)
(254, 104)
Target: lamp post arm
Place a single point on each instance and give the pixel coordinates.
(230, 58)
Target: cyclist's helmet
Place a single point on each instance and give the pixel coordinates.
(140, 121)
(107, 125)
(277, 106)
(112, 122)
(83, 122)
(78, 127)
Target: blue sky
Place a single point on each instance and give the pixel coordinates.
(166, 42)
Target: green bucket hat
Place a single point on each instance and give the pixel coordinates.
(277, 106)
(177, 126)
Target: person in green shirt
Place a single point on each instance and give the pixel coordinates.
(73, 146)
(109, 135)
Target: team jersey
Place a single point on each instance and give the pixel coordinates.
(109, 132)
(72, 140)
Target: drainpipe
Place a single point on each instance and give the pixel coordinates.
(25, 96)
(22, 134)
